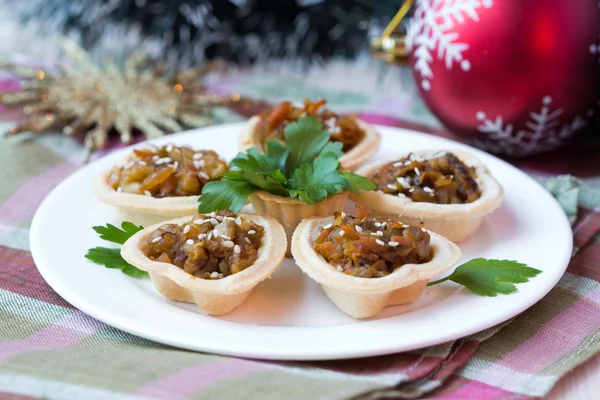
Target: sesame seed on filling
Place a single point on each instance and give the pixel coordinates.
(441, 178)
(214, 250)
(166, 171)
(380, 247)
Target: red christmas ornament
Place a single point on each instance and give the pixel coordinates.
(517, 77)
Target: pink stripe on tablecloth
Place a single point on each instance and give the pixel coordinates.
(21, 205)
(189, 380)
(476, 390)
(557, 338)
(53, 337)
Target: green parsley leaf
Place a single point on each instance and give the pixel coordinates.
(225, 194)
(313, 183)
(356, 183)
(113, 234)
(490, 277)
(333, 147)
(111, 258)
(277, 151)
(304, 139)
(254, 161)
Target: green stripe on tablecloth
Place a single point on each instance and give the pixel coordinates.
(31, 386)
(586, 349)
(21, 159)
(268, 385)
(526, 325)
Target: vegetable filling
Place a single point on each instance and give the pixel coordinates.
(210, 246)
(442, 178)
(168, 171)
(341, 128)
(371, 247)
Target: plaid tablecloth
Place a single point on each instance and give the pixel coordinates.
(50, 349)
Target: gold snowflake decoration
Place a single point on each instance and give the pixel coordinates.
(91, 100)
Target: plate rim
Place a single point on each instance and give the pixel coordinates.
(123, 324)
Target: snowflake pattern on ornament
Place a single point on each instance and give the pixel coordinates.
(542, 132)
(431, 29)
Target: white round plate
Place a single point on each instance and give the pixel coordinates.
(288, 317)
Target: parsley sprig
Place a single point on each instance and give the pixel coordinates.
(306, 167)
(490, 277)
(111, 257)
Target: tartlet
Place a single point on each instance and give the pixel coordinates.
(290, 211)
(364, 297)
(357, 150)
(158, 183)
(213, 292)
(456, 222)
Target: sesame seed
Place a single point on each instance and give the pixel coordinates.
(397, 164)
(198, 164)
(225, 237)
(189, 241)
(170, 148)
(147, 193)
(383, 224)
(378, 224)
(175, 165)
(417, 171)
(120, 189)
(343, 214)
(411, 190)
(186, 229)
(393, 244)
(238, 221)
(164, 160)
(213, 214)
(405, 225)
(380, 242)
(142, 162)
(379, 233)
(342, 233)
(156, 239)
(214, 274)
(358, 228)
(214, 221)
(154, 158)
(237, 249)
(392, 187)
(402, 181)
(428, 189)
(251, 232)
(202, 236)
(228, 244)
(407, 163)
(203, 175)
(200, 221)
(216, 233)
(339, 268)
(327, 226)
(209, 236)
(219, 218)
(198, 156)
(229, 218)
(248, 240)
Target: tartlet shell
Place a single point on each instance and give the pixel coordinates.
(144, 210)
(349, 161)
(456, 222)
(290, 212)
(364, 297)
(213, 297)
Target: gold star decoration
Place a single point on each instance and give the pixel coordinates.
(94, 101)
